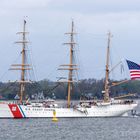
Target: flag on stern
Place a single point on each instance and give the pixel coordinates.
(134, 70)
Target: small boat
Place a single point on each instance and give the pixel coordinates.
(134, 113)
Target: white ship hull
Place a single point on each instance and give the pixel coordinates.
(25, 111)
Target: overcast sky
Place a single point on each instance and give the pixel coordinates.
(48, 20)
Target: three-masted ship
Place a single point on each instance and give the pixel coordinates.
(104, 108)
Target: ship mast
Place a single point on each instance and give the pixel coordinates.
(107, 87)
(23, 66)
(71, 66)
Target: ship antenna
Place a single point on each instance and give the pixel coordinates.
(23, 66)
(71, 66)
(107, 87)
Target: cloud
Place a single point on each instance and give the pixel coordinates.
(96, 6)
(48, 20)
(24, 3)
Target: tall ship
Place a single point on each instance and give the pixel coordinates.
(45, 109)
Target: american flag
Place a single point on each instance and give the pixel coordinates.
(134, 69)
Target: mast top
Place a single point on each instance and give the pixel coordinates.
(72, 28)
(109, 37)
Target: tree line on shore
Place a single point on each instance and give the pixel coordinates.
(86, 88)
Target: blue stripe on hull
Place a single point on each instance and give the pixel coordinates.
(22, 111)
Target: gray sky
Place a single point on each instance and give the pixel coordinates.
(48, 20)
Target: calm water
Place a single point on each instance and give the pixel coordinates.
(119, 128)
